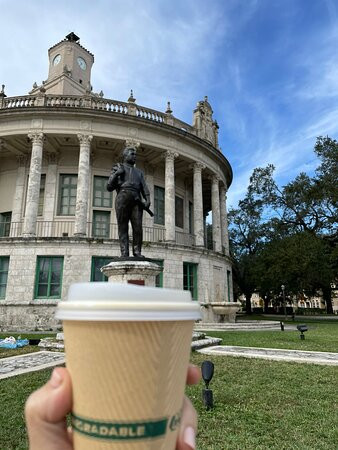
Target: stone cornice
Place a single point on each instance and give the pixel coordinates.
(84, 114)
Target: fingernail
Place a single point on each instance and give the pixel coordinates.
(55, 379)
(189, 437)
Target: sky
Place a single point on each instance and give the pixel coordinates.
(268, 67)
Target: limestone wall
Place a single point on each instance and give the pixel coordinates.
(20, 310)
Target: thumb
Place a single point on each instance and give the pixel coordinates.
(187, 434)
(46, 411)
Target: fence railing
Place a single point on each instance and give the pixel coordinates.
(92, 102)
(99, 230)
(185, 239)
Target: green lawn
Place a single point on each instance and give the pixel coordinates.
(320, 337)
(6, 352)
(259, 404)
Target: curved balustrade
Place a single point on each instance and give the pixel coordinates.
(65, 228)
(91, 102)
(150, 114)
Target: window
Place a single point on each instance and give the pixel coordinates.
(190, 278)
(179, 212)
(48, 277)
(4, 263)
(191, 218)
(67, 195)
(101, 197)
(228, 284)
(97, 263)
(158, 205)
(159, 277)
(5, 223)
(101, 223)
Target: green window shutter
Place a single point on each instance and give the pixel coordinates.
(159, 277)
(101, 197)
(190, 281)
(48, 279)
(97, 263)
(158, 205)
(101, 224)
(67, 195)
(4, 265)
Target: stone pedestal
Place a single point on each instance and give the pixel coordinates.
(135, 271)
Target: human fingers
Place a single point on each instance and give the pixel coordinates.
(187, 433)
(46, 411)
(193, 375)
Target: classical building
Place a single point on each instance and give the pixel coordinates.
(57, 222)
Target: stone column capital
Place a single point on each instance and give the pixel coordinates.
(36, 137)
(170, 155)
(215, 178)
(197, 167)
(85, 139)
(130, 142)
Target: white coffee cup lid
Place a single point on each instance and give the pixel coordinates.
(126, 302)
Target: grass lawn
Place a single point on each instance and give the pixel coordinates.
(320, 337)
(258, 405)
(6, 352)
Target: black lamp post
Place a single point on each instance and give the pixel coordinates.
(284, 302)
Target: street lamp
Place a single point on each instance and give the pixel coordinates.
(284, 302)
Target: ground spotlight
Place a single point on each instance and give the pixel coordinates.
(302, 329)
(207, 374)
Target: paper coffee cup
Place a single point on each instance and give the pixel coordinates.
(127, 350)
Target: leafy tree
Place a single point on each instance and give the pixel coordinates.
(302, 262)
(246, 234)
(288, 235)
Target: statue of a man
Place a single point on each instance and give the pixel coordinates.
(132, 198)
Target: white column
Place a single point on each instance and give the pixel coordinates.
(224, 219)
(82, 190)
(50, 193)
(169, 199)
(216, 217)
(198, 204)
(18, 196)
(33, 190)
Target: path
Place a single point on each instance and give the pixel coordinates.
(30, 362)
(273, 354)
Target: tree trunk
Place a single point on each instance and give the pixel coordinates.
(248, 303)
(327, 299)
(266, 305)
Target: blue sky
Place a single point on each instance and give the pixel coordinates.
(268, 67)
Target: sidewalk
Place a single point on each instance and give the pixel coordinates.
(273, 354)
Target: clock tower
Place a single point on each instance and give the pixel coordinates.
(69, 68)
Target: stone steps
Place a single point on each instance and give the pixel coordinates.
(199, 340)
(245, 325)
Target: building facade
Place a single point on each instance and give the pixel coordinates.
(57, 220)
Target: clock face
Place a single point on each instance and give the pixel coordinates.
(82, 63)
(56, 60)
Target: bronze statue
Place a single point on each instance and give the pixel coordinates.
(132, 198)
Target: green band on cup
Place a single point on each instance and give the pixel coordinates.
(119, 431)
